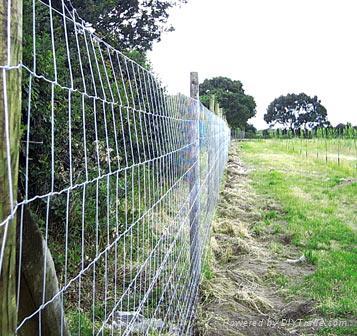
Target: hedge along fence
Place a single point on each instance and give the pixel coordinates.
(108, 184)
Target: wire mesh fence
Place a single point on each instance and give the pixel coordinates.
(108, 184)
(237, 134)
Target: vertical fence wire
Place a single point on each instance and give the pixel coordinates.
(333, 146)
(104, 202)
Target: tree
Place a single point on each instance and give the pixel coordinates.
(238, 107)
(250, 131)
(297, 111)
(126, 24)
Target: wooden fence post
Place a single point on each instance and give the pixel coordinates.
(210, 143)
(212, 103)
(194, 180)
(10, 119)
(217, 108)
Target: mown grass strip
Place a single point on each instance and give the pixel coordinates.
(320, 209)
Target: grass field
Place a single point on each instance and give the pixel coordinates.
(334, 150)
(319, 211)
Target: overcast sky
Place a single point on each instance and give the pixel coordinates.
(273, 46)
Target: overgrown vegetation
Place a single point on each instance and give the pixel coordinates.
(90, 114)
(129, 24)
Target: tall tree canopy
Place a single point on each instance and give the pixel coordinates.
(126, 24)
(238, 107)
(296, 111)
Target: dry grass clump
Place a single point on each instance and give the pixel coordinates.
(232, 286)
(233, 290)
(231, 228)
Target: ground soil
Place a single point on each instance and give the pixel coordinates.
(244, 295)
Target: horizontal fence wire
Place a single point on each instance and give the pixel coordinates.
(117, 186)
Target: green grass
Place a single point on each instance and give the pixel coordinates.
(207, 267)
(319, 212)
(334, 150)
(79, 323)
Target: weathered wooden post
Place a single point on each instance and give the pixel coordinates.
(10, 118)
(212, 103)
(210, 143)
(217, 108)
(194, 180)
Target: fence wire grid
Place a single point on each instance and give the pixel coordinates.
(116, 188)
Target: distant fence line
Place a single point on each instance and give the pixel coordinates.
(341, 151)
(338, 132)
(108, 183)
(333, 145)
(237, 134)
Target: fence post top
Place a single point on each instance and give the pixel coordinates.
(194, 85)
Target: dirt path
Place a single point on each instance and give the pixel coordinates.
(243, 295)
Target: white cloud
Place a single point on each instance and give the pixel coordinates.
(273, 47)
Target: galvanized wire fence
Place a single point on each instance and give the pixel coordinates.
(115, 189)
(334, 146)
